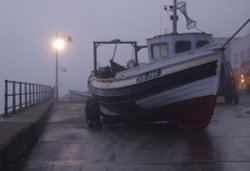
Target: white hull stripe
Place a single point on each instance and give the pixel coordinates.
(196, 89)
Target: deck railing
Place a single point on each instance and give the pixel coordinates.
(21, 95)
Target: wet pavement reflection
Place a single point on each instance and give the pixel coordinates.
(68, 144)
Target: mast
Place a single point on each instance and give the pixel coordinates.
(174, 17)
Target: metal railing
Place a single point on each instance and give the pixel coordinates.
(21, 95)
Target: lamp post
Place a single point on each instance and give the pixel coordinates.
(59, 45)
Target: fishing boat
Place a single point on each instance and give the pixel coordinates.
(178, 84)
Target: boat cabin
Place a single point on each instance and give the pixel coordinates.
(164, 46)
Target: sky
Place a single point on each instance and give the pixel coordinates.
(28, 28)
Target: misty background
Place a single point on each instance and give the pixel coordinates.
(28, 27)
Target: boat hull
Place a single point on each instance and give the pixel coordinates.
(193, 113)
(183, 93)
(190, 105)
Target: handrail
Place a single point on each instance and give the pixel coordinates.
(24, 95)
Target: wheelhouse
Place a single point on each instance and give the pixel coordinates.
(164, 46)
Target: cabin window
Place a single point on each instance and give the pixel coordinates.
(160, 51)
(182, 46)
(201, 43)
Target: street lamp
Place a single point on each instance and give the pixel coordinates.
(59, 44)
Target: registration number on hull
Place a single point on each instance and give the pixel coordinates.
(148, 76)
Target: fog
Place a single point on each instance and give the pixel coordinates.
(29, 26)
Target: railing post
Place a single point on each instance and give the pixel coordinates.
(14, 96)
(20, 97)
(44, 93)
(33, 89)
(25, 95)
(37, 94)
(6, 99)
(41, 93)
(30, 100)
(47, 92)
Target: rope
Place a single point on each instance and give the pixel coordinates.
(114, 53)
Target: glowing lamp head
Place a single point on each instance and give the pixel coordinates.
(59, 44)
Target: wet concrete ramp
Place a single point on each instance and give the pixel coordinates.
(68, 144)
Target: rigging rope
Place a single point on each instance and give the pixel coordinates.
(114, 52)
